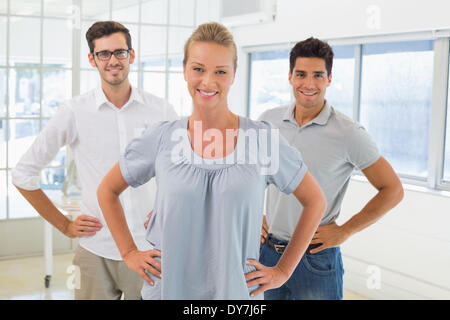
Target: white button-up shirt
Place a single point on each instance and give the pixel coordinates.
(97, 133)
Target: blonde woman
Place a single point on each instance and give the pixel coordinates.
(211, 184)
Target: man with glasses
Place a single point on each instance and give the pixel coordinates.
(332, 146)
(97, 126)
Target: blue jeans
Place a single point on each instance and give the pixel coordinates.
(317, 276)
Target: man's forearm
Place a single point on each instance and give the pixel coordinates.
(380, 204)
(42, 204)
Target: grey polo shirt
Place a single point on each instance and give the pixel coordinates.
(332, 146)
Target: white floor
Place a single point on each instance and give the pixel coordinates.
(23, 279)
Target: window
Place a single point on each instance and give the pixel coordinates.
(269, 81)
(35, 77)
(395, 107)
(340, 92)
(3, 90)
(446, 171)
(179, 97)
(3, 38)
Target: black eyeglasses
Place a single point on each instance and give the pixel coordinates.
(105, 55)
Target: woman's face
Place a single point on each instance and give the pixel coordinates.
(209, 73)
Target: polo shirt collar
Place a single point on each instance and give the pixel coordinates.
(289, 115)
(100, 98)
(321, 118)
(324, 115)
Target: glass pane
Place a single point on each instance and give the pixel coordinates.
(446, 173)
(269, 81)
(396, 101)
(60, 159)
(61, 8)
(340, 92)
(25, 7)
(153, 48)
(24, 92)
(3, 41)
(153, 41)
(3, 6)
(133, 78)
(154, 11)
(21, 135)
(57, 87)
(96, 10)
(53, 178)
(153, 63)
(3, 138)
(134, 32)
(3, 80)
(57, 42)
(176, 62)
(179, 95)
(24, 51)
(154, 83)
(177, 39)
(89, 80)
(84, 48)
(3, 206)
(447, 151)
(18, 206)
(125, 10)
(54, 194)
(182, 12)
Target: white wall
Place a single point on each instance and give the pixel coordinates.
(328, 19)
(410, 246)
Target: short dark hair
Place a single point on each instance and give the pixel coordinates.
(312, 48)
(105, 28)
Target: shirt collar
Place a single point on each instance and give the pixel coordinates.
(100, 98)
(289, 115)
(321, 118)
(324, 115)
(136, 96)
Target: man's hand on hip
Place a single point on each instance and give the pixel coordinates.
(83, 225)
(329, 236)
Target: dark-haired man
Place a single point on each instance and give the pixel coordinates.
(332, 145)
(97, 126)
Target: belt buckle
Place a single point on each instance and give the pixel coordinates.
(279, 248)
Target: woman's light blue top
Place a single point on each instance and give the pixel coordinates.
(208, 213)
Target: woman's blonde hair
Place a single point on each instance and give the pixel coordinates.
(212, 32)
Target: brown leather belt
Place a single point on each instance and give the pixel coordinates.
(279, 248)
